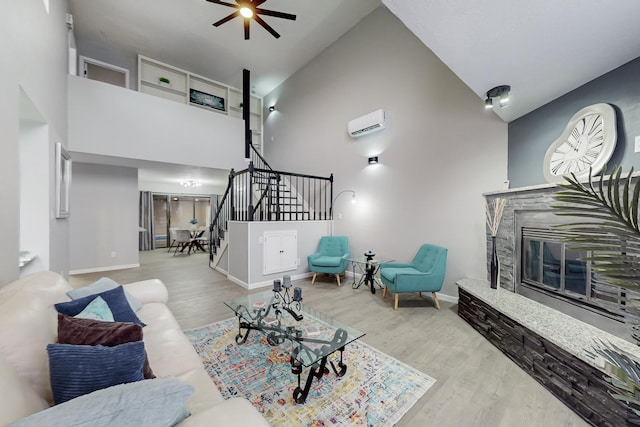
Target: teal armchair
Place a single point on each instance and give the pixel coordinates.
(424, 274)
(332, 257)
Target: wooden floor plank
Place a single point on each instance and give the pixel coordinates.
(476, 384)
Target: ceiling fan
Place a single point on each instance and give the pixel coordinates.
(248, 10)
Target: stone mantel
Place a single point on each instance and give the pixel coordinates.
(566, 332)
(545, 187)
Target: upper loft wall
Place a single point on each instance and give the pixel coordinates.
(532, 134)
(112, 121)
(440, 151)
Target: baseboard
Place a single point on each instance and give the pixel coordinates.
(221, 270)
(99, 269)
(238, 281)
(266, 283)
(447, 298)
(269, 283)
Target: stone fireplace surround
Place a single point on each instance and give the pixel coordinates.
(547, 343)
(528, 202)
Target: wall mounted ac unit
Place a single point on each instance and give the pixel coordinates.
(367, 124)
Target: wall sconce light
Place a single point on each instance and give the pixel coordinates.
(373, 160)
(499, 92)
(272, 108)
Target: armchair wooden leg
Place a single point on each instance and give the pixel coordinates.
(395, 304)
(338, 277)
(435, 300)
(313, 279)
(384, 292)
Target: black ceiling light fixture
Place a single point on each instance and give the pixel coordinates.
(248, 10)
(499, 92)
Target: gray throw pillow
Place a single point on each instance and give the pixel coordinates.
(159, 402)
(101, 285)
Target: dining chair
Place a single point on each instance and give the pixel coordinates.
(172, 238)
(183, 241)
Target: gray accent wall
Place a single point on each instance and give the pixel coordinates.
(532, 134)
(441, 149)
(33, 48)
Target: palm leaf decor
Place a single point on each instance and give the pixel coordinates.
(610, 233)
(609, 229)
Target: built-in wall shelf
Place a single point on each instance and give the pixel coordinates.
(166, 81)
(25, 258)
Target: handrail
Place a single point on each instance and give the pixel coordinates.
(261, 160)
(278, 196)
(215, 222)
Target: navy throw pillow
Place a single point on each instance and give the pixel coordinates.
(76, 370)
(115, 299)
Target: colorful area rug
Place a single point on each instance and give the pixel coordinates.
(376, 390)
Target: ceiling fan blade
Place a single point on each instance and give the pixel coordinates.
(247, 22)
(226, 19)
(257, 3)
(266, 26)
(276, 14)
(223, 3)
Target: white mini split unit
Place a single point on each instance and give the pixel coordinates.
(367, 124)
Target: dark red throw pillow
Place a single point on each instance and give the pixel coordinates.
(78, 331)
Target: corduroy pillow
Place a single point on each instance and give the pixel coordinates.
(72, 330)
(76, 370)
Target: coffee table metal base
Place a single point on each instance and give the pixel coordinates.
(276, 336)
(316, 371)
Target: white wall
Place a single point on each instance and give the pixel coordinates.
(104, 218)
(34, 193)
(113, 121)
(246, 256)
(440, 152)
(33, 48)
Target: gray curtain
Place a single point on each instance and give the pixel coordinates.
(146, 234)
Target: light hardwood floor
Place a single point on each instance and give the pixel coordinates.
(476, 384)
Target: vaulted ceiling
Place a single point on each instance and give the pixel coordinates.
(542, 48)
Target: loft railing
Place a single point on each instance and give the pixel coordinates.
(260, 193)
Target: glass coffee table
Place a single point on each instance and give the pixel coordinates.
(313, 336)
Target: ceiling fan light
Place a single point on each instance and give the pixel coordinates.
(246, 12)
(488, 103)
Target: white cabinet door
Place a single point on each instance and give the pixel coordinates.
(280, 251)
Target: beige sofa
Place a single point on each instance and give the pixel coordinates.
(28, 322)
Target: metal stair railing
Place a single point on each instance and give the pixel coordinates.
(260, 193)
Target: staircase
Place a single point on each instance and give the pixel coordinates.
(260, 193)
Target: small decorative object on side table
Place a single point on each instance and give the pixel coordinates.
(369, 267)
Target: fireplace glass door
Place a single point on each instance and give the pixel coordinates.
(549, 264)
(552, 265)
